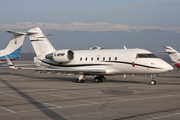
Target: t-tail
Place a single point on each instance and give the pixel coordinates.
(45, 52)
(40, 43)
(13, 49)
(173, 54)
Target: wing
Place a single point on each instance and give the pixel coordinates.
(76, 71)
(18, 65)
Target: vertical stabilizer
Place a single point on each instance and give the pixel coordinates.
(13, 49)
(40, 43)
(173, 54)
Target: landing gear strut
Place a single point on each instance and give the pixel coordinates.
(99, 78)
(81, 79)
(153, 82)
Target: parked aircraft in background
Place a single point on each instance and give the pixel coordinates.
(13, 49)
(174, 55)
(98, 62)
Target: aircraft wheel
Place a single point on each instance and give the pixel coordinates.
(100, 80)
(153, 82)
(96, 79)
(78, 81)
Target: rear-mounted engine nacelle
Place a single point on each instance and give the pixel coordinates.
(61, 56)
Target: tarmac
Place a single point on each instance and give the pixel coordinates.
(27, 95)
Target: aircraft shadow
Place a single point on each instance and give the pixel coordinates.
(48, 112)
(70, 79)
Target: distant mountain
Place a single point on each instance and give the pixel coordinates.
(152, 40)
(79, 26)
(78, 36)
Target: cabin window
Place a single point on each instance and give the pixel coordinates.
(97, 58)
(15, 42)
(103, 58)
(91, 58)
(86, 58)
(81, 59)
(115, 58)
(109, 58)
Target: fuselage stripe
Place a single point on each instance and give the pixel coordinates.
(83, 65)
(135, 64)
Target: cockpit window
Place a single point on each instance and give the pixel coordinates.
(146, 56)
(151, 56)
(142, 56)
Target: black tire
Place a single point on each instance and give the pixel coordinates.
(153, 82)
(96, 79)
(78, 81)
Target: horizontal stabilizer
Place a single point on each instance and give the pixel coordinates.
(21, 32)
(166, 52)
(173, 54)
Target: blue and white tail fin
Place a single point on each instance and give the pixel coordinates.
(13, 49)
(40, 43)
(173, 54)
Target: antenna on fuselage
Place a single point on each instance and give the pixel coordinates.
(124, 47)
(94, 47)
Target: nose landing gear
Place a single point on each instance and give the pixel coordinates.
(153, 82)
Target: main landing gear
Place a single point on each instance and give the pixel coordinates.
(153, 82)
(82, 78)
(99, 78)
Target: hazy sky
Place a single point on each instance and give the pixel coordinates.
(163, 13)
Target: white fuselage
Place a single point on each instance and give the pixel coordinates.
(114, 61)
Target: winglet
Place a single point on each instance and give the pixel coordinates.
(10, 63)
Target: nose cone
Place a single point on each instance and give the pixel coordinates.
(169, 67)
(164, 66)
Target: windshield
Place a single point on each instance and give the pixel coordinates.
(146, 56)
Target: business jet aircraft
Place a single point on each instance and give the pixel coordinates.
(96, 61)
(174, 55)
(13, 49)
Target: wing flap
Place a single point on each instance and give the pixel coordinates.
(84, 71)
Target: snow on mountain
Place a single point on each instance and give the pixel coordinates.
(80, 26)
